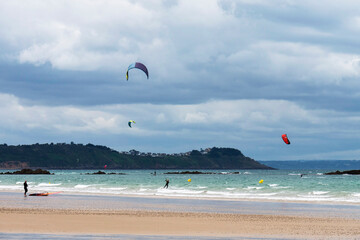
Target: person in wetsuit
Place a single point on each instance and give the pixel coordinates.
(167, 183)
(25, 188)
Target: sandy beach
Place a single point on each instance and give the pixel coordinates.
(170, 223)
(39, 216)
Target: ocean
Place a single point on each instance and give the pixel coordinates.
(287, 185)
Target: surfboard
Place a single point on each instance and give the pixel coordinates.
(43, 194)
(39, 194)
(53, 193)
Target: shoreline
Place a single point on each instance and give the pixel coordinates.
(63, 201)
(188, 218)
(203, 198)
(139, 222)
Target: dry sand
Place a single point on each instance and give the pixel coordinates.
(59, 221)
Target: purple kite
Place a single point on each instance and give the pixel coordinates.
(139, 66)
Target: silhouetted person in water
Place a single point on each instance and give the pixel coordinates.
(167, 183)
(25, 188)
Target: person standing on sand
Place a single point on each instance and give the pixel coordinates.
(167, 183)
(25, 188)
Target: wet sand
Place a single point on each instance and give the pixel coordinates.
(71, 214)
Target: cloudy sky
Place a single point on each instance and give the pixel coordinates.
(222, 73)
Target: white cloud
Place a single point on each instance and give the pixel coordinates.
(56, 119)
(254, 124)
(88, 35)
(82, 35)
(245, 115)
(293, 62)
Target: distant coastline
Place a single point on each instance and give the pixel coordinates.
(89, 156)
(314, 164)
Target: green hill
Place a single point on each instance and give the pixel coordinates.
(79, 156)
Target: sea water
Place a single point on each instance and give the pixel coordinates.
(288, 185)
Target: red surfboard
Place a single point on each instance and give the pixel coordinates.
(43, 194)
(39, 194)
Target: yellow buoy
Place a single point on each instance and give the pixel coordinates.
(189, 180)
(261, 181)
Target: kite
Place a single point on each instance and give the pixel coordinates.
(285, 138)
(138, 66)
(131, 121)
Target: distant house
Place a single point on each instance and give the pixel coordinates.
(187, 153)
(134, 152)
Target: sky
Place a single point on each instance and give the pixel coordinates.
(222, 73)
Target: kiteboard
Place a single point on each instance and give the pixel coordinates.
(39, 194)
(43, 194)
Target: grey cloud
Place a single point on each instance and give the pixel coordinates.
(304, 53)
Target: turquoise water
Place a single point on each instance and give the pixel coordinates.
(277, 185)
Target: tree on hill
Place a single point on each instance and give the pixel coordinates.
(89, 156)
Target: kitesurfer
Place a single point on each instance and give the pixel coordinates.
(167, 183)
(25, 188)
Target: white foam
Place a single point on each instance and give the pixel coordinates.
(21, 183)
(217, 193)
(113, 188)
(313, 197)
(247, 173)
(179, 191)
(250, 188)
(266, 194)
(10, 187)
(230, 193)
(81, 186)
(48, 184)
(319, 192)
(281, 187)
